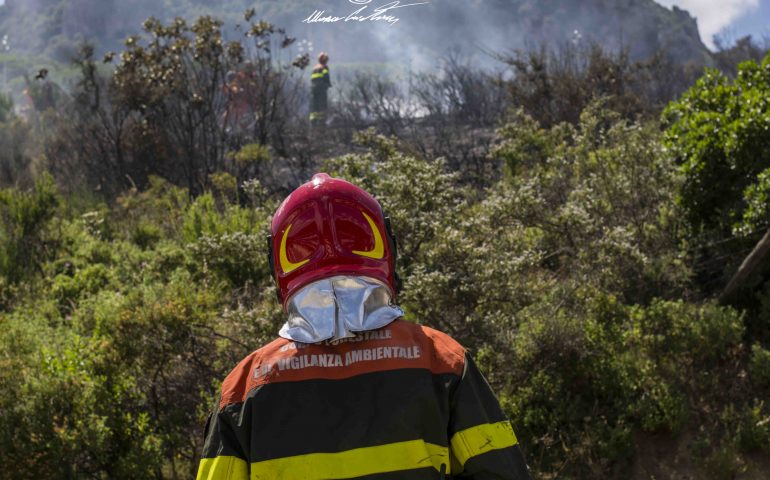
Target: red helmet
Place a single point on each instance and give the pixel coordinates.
(330, 227)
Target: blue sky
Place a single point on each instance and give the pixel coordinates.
(757, 23)
(733, 18)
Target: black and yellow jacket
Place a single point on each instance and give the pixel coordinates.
(320, 82)
(402, 402)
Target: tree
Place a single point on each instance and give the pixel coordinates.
(719, 133)
(165, 108)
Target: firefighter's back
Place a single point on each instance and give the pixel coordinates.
(388, 403)
(375, 403)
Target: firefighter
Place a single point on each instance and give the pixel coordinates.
(238, 116)
(351, 389)
(320, 82)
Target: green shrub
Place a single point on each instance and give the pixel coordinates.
(600, 199)
(23, 218)
(718, 132)
(680, 334)
(660, 406)
(754, 428)
(566, 280)
(68, 289)
(146, 235)
(237, 257)
(569, 391)
(204, 218)
(759, 366)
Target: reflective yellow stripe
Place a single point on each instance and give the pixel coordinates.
(320, 74)
(223, 468)
(392, 457)
(480, 439)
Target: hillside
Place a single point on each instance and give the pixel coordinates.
(423, 33)
(576, 225)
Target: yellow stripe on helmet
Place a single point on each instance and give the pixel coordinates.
(286, 265)
(379, 247)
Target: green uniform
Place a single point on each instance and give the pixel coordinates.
(320, 82)
(400, 402)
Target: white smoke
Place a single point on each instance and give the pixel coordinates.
(713, 15)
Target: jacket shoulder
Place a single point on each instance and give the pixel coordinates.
(239, 381)
(447, 354)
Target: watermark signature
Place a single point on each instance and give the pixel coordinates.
(366, 13)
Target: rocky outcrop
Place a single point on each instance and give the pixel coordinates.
(641, 27)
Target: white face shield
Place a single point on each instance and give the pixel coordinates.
(338, 307)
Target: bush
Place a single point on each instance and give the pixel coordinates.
(599, 199)
(759, 366)
(566, 279)
(23, 218)
(563, 281)
(754, 428)
(717, 132)
(237, 257)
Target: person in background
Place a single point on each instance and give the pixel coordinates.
(351, 389)
(320, 82)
